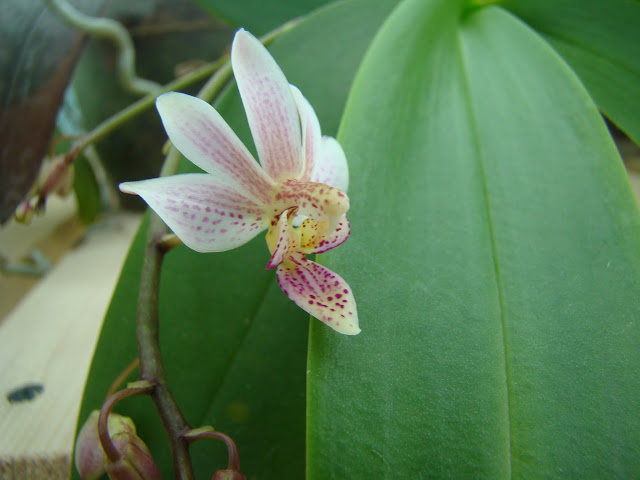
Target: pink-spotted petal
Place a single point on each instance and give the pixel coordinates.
(309, 243)
(331, 165)
(280, 238)
(315, 200)
(320, 292)
(270, 107)
(202, 135)
(207, 215)
(311, 136)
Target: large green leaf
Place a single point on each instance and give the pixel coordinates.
(495, 257)
(601, 42)
(234, 345)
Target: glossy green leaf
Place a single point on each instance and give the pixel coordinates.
(600, 41)
(495, 258)
(234, 345)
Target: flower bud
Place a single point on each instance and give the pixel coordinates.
(228, 475)
(89, 455)
(25, 211)
(135, 462)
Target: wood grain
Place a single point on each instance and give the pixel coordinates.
(48, 341)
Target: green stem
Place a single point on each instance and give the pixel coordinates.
(210, 88)
(117, 34)
(114, 122)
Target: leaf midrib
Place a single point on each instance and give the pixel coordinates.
(494, 247)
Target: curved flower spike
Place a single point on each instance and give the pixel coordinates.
(237, 198)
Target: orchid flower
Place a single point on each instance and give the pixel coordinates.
(297, 191)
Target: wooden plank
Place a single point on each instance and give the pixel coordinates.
(48, 341)
(52, 234)
(35, 468)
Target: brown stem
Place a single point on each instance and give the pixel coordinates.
(110, 450)
(208, 432)
(151, 366)
(115, 385)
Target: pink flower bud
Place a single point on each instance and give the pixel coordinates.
(89, 455)
(228, 475)
(135, 462)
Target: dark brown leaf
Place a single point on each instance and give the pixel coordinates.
(38, 52)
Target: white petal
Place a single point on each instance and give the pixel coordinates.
(331, 165)
(311, 136)
(206, 214)
(271, 109)
(202, 135)
(320, 292)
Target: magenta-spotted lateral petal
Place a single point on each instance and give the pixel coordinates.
(202, 135)
(280, 238)
(330, 240)
(207, 215)
(270, 107)
(331, 165)
(311, 136)
(320, 292)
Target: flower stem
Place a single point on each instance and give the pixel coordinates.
(115, 385)
(114, 122)
(214, 84)
(208, 432)
(137, 388)
(147, 328)
(151, 367)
